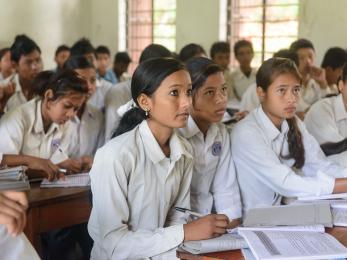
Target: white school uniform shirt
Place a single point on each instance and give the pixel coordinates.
(17, 98)
(98, 98)
(241, 82)
(327, 122)
(313, 92)
(22, 132)
(264, 176)
(116, 97)
(214, 186)
(16, 248)
(87, 132)
(135, 187)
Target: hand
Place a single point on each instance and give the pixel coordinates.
(9, 89)
(13, 206)
(318, 74)
(43, 168)
(87, 163)
(234, 223)
(71, 165)
(212, 225)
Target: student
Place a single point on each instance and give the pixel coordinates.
(214, 186)
(121, 93)
(121, 65)
(26, 57)
(6, 68)
(61, 55)
(141, 175)
(88, 124)
(103, 59)
(327, 122)
(274, 155)
(83, 47)
(333, 61)
(191, 50)
(40, 127)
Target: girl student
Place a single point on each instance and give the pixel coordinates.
(274, 154)
(88, 124)
(40, 127)
(139, 176)
(327, 122)
(214, 186)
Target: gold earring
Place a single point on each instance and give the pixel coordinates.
(146, 112)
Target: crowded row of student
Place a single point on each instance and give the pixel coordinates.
(170, 149)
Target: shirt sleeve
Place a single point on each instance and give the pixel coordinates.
(12, 134)
(110, 206)
(255, 157)
(224, 188)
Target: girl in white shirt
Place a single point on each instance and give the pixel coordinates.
(274, 154)
(140, 176)
(327, 122)
(40, 127)
(214, 186)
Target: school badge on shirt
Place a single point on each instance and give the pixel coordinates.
(216, 148)
(55, 144)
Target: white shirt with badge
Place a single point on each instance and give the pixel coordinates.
(87, 132)
(214, 185)
(265, 176)
(17, 98)
(116, 97)
(135, 187)
(327, 122)
(22, 132)
(98, 98)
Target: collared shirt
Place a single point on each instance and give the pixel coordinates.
(214, 186)
(17, 98)
(312, 92)
(327, 122)
(16, 247)
(98, 98)
(135, 187)
(87, 132)
(241, 82)
(22, 132)
(264, 175)
(116, 97)
(110, 77)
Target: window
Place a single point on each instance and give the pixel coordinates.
(270, 25)
(149, 21)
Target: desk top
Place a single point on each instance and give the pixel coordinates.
(41, 196)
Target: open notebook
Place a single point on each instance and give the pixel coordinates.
(75, 180)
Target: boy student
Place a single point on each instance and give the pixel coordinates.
(6, 68)
(61, 55)
(120, 66)
(103, 59)
(26, 57)
(334, 60)
(83, 47)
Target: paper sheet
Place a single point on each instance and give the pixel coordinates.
(75, 180)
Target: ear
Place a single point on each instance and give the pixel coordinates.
(340, 85)
(48, 96)
(144, 102)
(261, 94)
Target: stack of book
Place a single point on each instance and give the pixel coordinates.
(14, 179)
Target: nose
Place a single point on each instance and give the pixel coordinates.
(186, 101)
(291, 97)
(221, 97)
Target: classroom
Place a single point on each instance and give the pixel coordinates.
(173, 129)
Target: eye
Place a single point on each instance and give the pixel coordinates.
(209, 93)
(174, 92)
(189, 92)
(224, 90)
(296, 91)
(281, 91)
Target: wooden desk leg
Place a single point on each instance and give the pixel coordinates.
(31, 229)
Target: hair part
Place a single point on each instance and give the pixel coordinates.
(122, 57)
(82, 47)
(334, 58)
(301, 44)
(61, 48)
(78, 62)
(102, 49)
(154, 51)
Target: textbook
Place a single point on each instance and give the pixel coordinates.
(74, 180)
(14, 179)
(292, 245)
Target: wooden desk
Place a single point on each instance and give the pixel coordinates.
(53, 208)
(340, 233)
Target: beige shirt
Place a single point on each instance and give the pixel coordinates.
(241, 82)
(98, 98)
(22, 132)
(87, 132)
(17, 98)
(135, 188)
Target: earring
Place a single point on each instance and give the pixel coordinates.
(146, 112)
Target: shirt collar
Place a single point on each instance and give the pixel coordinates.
(339, 108)
(18, 86)
(38, 122)
(270, 129)
(152, 148)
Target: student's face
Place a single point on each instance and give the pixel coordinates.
(6, 64)
(307, 59)
(332, 75)
(104, 62)
(29, 66)
(280, 100)
(120, 67)
(89, 75)
(210, 100)
(244, 56)
(169, 105)
(61, 58)
(64, 108)
(222, 59)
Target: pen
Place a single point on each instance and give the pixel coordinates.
(184, 210)
(62, 170)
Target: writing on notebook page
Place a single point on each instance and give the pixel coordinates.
(75, 180)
